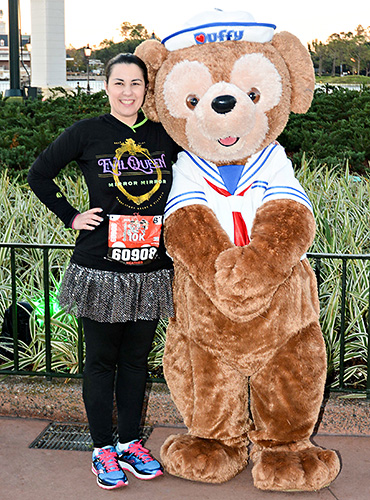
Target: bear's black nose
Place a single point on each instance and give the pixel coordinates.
(223, 103)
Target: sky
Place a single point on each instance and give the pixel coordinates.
(92, 21)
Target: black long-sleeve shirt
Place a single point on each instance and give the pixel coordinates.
(141, 157)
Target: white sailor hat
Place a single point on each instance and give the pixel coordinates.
(219, 26)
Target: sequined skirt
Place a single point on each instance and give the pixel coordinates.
(113, 297)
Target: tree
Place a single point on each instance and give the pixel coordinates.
(336, 50)
(79, 60)
(133, 31)
(111, 49)
(361, 47)
(132, 34)
(320, 51)
(348, 50)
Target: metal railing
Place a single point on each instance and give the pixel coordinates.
(48, 372)
(318, 257)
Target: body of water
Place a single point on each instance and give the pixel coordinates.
(97, 85)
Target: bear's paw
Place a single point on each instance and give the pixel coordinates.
(304, 470)
(205, 460)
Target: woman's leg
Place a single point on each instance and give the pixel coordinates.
(132, 372)
(103, 343)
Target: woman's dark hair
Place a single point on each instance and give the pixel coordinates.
(126, 58)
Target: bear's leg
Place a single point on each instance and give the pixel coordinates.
(286, 395)
(216, 447)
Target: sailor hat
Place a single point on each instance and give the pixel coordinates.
(219, 26)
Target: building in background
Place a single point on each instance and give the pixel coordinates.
(25, 59)
(43, 64)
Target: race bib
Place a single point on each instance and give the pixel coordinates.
(134, 239)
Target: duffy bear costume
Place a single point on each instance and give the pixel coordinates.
(245, 358)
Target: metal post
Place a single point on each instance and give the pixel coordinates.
(368, 349)
(88, 76)
(87, 52)
(47, 310)
(14, 310)
(342, 324)
(15, 81)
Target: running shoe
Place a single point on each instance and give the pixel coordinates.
(106, 468)
(137, 460)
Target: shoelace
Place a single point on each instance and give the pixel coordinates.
(139, 451)
(109, 460)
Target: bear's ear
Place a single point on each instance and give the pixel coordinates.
(300, 67)
(153, 53)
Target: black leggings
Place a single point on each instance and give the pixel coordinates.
(116, 357)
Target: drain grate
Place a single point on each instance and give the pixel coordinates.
(61, 436)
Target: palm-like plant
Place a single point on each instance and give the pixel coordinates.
(342, 211)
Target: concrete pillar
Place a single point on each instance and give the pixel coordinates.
(48, 56)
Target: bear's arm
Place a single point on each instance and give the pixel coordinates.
(248, 277)
(240, 281)
(195, 238)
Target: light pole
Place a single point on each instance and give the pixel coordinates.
(87, 51)
(15, 82)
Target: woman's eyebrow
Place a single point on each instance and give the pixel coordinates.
(133, 80)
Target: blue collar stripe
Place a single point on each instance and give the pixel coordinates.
(288, 189)
(205, 163)
(304, 198)
(259, 184)
(267, 150)
(171, 205)
(206, 170)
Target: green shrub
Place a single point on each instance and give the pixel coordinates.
(335, 130)
(29, 126)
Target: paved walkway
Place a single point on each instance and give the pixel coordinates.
(39, 474)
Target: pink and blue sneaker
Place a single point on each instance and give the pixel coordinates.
(137, 460)
(105, 466)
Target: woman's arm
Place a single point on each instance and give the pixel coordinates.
(66, 148)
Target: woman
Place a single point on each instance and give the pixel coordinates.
(119, 278)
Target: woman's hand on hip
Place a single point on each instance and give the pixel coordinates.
(88, 220)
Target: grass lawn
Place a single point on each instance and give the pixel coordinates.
(348, 79)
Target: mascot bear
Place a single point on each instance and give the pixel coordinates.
(245, 358)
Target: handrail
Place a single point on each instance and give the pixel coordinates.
(49, 373)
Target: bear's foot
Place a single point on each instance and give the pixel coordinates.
(309, 469)
(205, 460)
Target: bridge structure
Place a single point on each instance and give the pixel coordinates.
(48, 56)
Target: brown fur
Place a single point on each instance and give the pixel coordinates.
(245, 357)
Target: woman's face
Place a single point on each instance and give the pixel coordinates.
(126, 90)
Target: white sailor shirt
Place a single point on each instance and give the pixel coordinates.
(235, 192)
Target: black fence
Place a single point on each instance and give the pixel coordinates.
(316, 259)
(16, 306)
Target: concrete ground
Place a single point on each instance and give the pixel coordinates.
(43, 474)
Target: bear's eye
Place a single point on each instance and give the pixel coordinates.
(254, 94)
(191, 101)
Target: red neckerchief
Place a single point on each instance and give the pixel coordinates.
(241, 237)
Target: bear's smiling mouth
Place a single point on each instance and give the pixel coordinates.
(228, 141)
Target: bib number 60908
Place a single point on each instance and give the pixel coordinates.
(134, 254)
